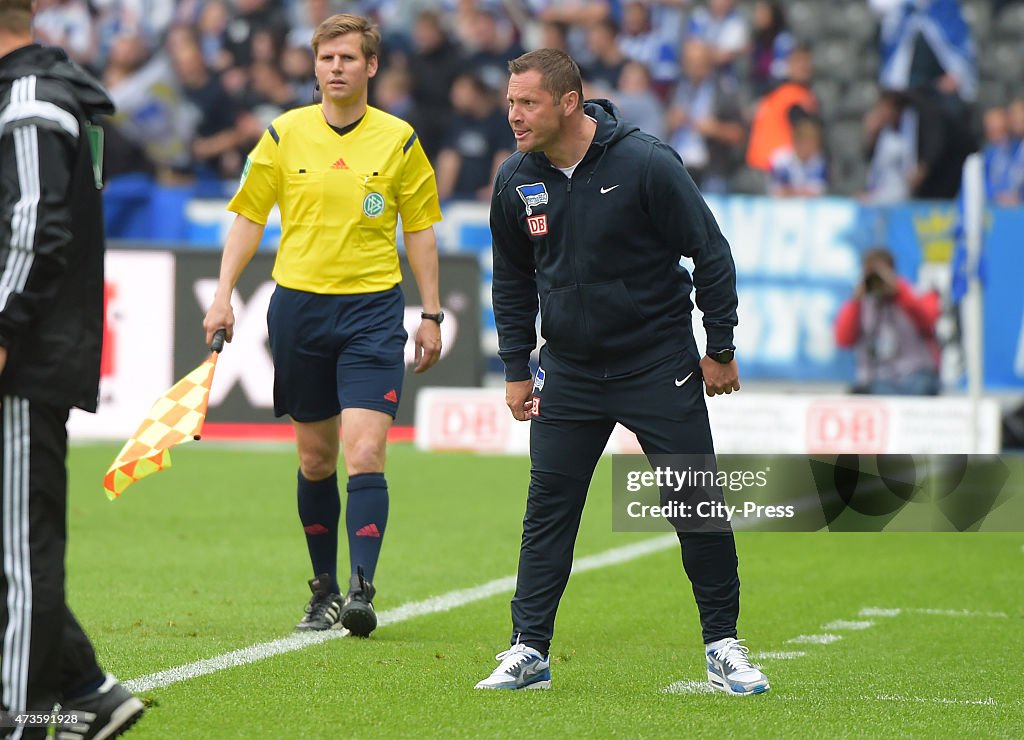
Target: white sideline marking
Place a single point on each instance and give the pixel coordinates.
(989, 702)
(958, 613)
(874, 611)
(823, 639)
(871, 611)
(688, 687)
(778, 655)
(433, 605)
(843, 624)
(698, 687)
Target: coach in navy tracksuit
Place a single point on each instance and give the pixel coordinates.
(589, 221)
(51, 329)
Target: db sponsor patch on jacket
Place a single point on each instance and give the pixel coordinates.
(538, 224)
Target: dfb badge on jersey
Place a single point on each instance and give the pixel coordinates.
(538, 224)
(373, 204)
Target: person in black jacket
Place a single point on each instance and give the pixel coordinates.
(589, 221)
(51, 323)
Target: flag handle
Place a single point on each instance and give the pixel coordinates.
(218, 340)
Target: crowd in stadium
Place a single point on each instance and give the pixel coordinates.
(757, 97)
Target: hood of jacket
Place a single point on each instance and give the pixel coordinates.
(54, 64)
(610, 126)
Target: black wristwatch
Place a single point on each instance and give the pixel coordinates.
(725, 356)
(438, 317)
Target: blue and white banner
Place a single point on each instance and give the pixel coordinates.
(796, 262)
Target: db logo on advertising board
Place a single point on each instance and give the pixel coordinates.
(468, 423)
(836, 427)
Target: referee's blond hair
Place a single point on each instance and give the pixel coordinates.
(343, 23)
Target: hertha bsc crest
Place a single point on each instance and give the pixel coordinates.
(533, 195)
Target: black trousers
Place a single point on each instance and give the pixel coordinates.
(575, 415)
(45, 653)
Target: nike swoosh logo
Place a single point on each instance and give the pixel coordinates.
(683, 381)
(532, 669)
(608, 190)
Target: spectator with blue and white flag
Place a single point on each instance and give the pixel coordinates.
(1003, 172)
(926, 44)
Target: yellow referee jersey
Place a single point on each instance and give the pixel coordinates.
(340, 196)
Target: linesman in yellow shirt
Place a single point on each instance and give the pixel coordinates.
(341, 173)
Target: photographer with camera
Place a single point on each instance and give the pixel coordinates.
(892, 330)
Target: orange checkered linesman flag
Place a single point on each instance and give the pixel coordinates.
(176, 417)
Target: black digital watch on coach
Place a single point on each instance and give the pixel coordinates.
(725, 356)
(438, 317)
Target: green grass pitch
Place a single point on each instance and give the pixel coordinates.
(208, 557)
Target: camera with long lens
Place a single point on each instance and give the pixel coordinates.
(874, 283)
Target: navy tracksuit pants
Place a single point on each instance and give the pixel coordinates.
(45, 653)
(574, 417)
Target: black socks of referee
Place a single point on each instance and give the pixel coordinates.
(366, 516)
(319, 512)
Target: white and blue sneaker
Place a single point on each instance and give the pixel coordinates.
(730, 670)
(521, 667)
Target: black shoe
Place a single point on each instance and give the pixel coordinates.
(357, 615)
(108, 712)
(324, 609)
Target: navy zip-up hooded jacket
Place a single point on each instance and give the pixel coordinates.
(599, 254)
(51, 229)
